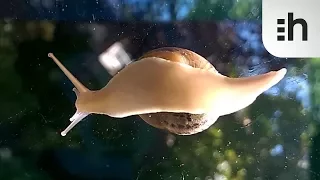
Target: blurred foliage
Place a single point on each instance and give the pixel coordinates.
(15, 168)
(314, 75)
(198, 10)
(222, 9)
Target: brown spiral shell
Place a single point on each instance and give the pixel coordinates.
(180, 123)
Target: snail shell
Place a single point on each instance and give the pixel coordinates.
(180, 123)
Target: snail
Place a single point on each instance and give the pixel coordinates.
(170, 88)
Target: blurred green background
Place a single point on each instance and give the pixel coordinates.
(276, 138)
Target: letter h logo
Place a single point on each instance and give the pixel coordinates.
(291, 22)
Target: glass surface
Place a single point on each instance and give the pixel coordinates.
(275, 138)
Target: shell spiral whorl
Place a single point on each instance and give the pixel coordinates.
(180, 123)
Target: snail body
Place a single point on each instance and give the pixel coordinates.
(170, 88)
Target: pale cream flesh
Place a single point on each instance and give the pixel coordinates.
(156, 85)
(153, 85)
